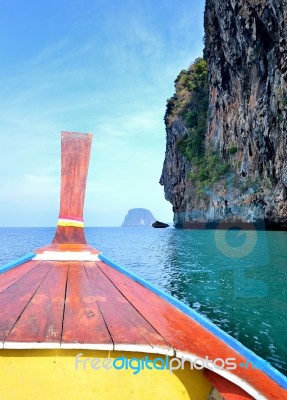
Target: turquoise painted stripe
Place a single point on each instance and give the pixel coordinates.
(17, 262)
(255, 360)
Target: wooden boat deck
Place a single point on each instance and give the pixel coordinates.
(71, 305)
(90, 305)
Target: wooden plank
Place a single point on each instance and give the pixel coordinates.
(22, 290)
(227, 389)
(167, 320)
(74, 169)
(13, 275)
(186, 335)
(16, 263)
(125, 323)
(47, 302)
(83, 322)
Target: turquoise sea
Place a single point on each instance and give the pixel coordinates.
(238, 280)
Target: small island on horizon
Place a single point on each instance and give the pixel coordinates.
(138, 217)
(141, 217)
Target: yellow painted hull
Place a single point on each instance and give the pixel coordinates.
(53, 375)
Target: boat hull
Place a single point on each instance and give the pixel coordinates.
(57, 373)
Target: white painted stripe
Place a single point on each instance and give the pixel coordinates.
(70, 220)
(90, 346)
(67, 256)
(164, 351)
(227, 375)
(141, 348)
(87, 346)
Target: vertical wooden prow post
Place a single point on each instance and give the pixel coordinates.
(74, 170)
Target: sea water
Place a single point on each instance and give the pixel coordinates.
(237, 279)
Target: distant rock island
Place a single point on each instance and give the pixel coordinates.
(138, 217)
(158, 224)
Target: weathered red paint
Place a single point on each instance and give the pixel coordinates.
(227, 389)
(124, 322)
(82, 322)
(13, 275)
(74, 169)
(42, 319)
(185, 334)
(15, 298)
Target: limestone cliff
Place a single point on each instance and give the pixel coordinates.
(235, 169)
(138, 217)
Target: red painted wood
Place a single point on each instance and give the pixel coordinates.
(15, 298)
(41, 321)
(227, 389)
(166, 319)
(74, 169)
(185, 334)
(69, 234)
(13, 275)
(124, 322)
(83, 321)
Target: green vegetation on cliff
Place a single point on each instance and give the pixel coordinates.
(208, 170)
(190, 102)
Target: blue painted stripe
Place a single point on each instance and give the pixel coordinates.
(255, 360)
(17, 262)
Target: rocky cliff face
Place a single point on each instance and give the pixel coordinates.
(240, 173)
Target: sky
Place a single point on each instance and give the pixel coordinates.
(105, 67)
